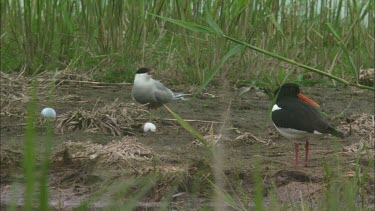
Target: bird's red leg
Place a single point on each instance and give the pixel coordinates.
(296, 147)
(307, 153)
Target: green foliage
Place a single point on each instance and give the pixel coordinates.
(184, 36)
(258, 188)
(211, 75)
(29, 159)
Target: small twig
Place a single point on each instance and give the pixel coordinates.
(36, 76)
(347, 107)
(256, 138)
(190, 120)
(96, 103)
(87, 82)
(132, 166)
(101, 86)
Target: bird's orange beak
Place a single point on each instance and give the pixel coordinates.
(149, 73)
(307, 100)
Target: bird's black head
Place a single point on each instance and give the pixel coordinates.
(288, 89)
(293, 91)
(143, 70)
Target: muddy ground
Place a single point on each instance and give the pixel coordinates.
(99, 145)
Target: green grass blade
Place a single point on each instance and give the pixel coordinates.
(44, 195)
(275, 23)
(346, 52)
(188, 127)
(187, 25)
(227, 197)
(29, 151)
(214, 25)
(258, 188)
(230, 53)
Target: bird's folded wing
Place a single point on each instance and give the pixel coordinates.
(299, 116)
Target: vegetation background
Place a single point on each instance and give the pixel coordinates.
(108, 40)
(189, 42)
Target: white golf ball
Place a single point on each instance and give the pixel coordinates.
(49, 113)
(148, 126)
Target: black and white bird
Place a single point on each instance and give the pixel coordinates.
(150, 92)
(295, 117)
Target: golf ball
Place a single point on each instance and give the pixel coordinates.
(49, 113)
(149, 127)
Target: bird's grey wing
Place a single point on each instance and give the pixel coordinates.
(175, 95)
(160, 86)
(162, 93)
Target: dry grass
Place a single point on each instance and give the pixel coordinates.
(116, 151)
(75, 162)
(363, 126)
(9, 161)
(366, 76)
(116, 119)
(13, 94)
(14, 90)
(78, 164)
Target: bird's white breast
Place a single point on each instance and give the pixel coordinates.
(294, 134)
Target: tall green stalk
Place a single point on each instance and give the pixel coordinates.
(29, 158)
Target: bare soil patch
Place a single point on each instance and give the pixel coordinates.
(99, 144)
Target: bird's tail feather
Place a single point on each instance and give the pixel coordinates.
(180, 96)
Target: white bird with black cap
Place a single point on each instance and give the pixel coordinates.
(150, 92)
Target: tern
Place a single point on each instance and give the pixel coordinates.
(150, 92)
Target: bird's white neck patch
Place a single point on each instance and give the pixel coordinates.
(275, 107)
(141, 78)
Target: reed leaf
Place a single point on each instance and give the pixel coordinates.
(233, 51)
(29, 159)
(213, 25)
(199, 28)
(346, 52)
(186, 25)
(188, 127)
